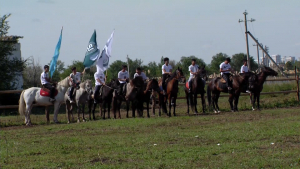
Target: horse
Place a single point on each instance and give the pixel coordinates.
(105, 97)
(256, 82)
(149, 94)
(172, 90)
(81, 97)
(135, 94)
(215, 87)
(32, 96)
(116, 99)
(197, 88)
(141, 95)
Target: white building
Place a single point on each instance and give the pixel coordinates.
(18, 83)
(276, 58)
(290, 59)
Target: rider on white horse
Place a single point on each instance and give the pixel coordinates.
(75, 78)
(99, 82)
(46, 82)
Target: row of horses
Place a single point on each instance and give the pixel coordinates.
(137, 93)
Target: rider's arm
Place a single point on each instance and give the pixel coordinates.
(120, 79)
(102, 83)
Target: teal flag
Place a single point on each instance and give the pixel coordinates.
(92, 52)
(55, 57)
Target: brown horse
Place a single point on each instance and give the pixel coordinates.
(197, 88)
(172, 90)
(215, 87)
(256, 82)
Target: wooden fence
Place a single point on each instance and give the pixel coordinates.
(223, 95)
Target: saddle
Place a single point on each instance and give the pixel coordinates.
(46, 92)
(222, 80)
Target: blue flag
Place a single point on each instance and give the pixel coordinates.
(92, 52)
(55, 57)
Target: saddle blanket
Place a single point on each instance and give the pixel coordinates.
(46, 92)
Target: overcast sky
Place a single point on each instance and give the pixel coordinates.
(149, 29)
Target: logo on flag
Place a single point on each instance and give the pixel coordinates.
(92, 52)
(103, 60)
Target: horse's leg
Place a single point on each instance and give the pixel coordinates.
(174, 105)
(104, 108)
(78, 113)
(108, 109)
(254, 100)
(67, 111)
(147, 103)
(213, 100)
(27, 115)
(251, 101)
(94, 107)
(83, 118)
(195, 103)
(56, 109)
(203, 102)
(216, 102)
(133, 106)
(47, 114)
(187, 102)
(258, 96)
(231, 96)
(170, 105)
(236, 101)
(153, 104)
(127, 108)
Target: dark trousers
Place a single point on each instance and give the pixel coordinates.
(227, 79)
(51, 88)
(97, 92)
(164, 77)
(72, 90)
(121, 88)
(190, 84)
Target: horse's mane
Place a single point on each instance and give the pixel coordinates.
(137, 81)
(64, 82)
(173, 74)
(82, 84)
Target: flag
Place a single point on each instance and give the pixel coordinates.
(92, 52)
(55, 57)
(103, 60)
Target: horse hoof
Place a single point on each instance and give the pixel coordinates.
(78, 121)
(83, 120)
(56, 122)
(28, 124)
(216, 112)
(232, 111)
(68, 122)
(219, 111)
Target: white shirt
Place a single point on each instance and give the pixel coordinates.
(76, 78)
(224, 66)
(43, 78)
(167, 68)
(193, 69)
(244, 69)
(123, 75)
(142, 75)
(100, 76)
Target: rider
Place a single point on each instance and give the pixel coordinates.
(123, 77)
(225, 69)
(140, 73)
(75, 78)
(166, 71)
(245, 69)
(193, 68)
(46, 82)
(99, 82)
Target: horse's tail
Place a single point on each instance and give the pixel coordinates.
(22, 107)
(208, 95)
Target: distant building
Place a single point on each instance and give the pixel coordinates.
(16, 55)
(276, 58)
(290, 59)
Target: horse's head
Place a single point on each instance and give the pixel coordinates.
(134, 87)
(202, 73)
(88, 86)
(114, 84)
(152, 85)
(180, 75)
(269, 72)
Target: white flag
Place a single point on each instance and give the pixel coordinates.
(103, 60)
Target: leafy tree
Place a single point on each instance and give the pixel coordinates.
(185, 62)
(153, 69)
(9, 67)
(289, 65)
(133, 64)
(237, 62)
(32, 73)
(217, 59)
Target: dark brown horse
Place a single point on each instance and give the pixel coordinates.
(172, 90)
(134, 95)
(105, 100)
(215, 87)
(197, 88)
(256, 82)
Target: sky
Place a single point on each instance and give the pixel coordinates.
(149, 29)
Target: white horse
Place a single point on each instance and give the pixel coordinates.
(32, 95)
(82, 96)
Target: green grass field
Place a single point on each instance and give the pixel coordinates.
(260, 139)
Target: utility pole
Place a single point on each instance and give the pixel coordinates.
(246, 30)
(257, 48)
